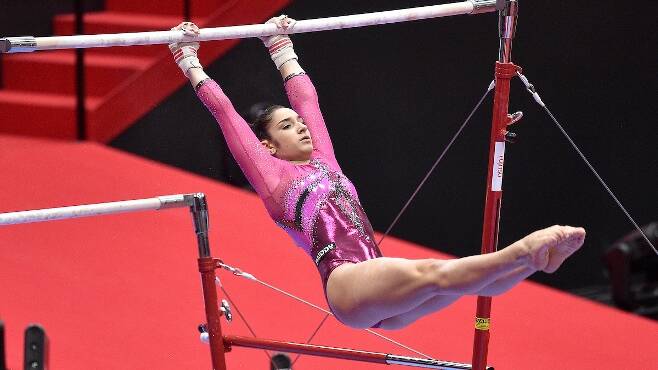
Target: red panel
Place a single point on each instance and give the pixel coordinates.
(172, 7)
(47, 115)
(138, 96)
(54, 72)
(199, 8)
(112, 22)
(126, 95)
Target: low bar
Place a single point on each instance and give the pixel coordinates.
(29, 43)
(51, 214)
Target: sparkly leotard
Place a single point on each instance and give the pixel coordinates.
(314, 203)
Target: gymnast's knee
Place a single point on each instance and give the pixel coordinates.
(392, 323)
(354, 317)
(349, 312)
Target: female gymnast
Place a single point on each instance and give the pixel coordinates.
(288, 158)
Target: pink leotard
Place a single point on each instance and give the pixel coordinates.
(314, 203)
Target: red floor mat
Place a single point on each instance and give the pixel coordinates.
(123, 291)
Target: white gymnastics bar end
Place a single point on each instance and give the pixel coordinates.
(87, 210)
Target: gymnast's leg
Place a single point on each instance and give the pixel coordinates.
(373, 291)
(436, 303)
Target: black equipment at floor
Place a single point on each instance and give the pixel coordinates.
(632, 267)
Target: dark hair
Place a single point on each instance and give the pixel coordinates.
(260, 114)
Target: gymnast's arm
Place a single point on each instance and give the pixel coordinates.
(258, 165)
(196, 76)
(301, 92)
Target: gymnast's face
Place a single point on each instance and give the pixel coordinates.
(289, 137)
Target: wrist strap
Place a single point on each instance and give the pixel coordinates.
(186, 57)
(280, 49)
(294, 74)
(201, 83)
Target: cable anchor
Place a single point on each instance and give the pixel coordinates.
(531, 89)
(234, 270)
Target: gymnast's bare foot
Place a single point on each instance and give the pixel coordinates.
(548, 248)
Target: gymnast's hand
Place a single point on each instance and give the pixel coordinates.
(185, 52)
(280, 46)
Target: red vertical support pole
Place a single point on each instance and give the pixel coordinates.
(494, 195)
(207, 267)
(505, 70)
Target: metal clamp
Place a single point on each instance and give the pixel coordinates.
(507, 19)
(21, 44)
(199, 209)
(483, 6)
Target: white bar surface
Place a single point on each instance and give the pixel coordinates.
(51, 214)
(255, 30)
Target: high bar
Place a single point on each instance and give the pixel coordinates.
(31, 43)
(51, 214)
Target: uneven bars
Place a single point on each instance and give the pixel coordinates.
(31, 43)
(51, 214)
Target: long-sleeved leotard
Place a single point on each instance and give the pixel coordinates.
(314, 203)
